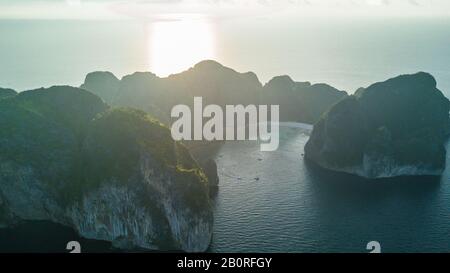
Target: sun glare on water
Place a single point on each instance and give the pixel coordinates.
(178, 45)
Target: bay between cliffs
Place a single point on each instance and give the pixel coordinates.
(277, 202)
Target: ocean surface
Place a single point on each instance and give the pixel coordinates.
(272, 201)
(277, 202)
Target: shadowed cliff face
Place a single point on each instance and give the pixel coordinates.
(392, 128)
(300, 101)
(103, 84)
(219, 85)
(110, 174)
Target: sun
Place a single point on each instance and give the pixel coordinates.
(178, 45)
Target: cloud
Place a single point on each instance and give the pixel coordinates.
(218, 9)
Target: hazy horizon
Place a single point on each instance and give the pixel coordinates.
(347, 44)
(110, 166)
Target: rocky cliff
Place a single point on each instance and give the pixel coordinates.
(110, 174)
(103, 84)
(392, 128)
(300, 101)
(217, 84)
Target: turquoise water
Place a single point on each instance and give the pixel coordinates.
(295, 207)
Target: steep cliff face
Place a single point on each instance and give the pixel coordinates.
(217, 84)
(138, 160)
(210, 167)
(392, 128)
(104, 84)
(144, 90)
(113, 175)
(39, 138)
(300, 101)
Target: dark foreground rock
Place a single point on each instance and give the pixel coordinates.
(210, 168)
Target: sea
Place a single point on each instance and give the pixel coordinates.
(267, 201)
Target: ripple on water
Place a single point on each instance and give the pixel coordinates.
(296, 207)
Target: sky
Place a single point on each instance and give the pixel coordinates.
(161, 10)
(300, 38)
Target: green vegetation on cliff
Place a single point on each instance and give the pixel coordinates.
(64, 153)
(396, 127)
(119, 139)
(217, 84)
(42, 129)
(6, 93)
(300, 101)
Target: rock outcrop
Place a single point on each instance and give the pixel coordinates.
(216, 84)
(210, 167)
(110, 174)
(300, 101)
(6, 93)
(392, 128)
(103, 84)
